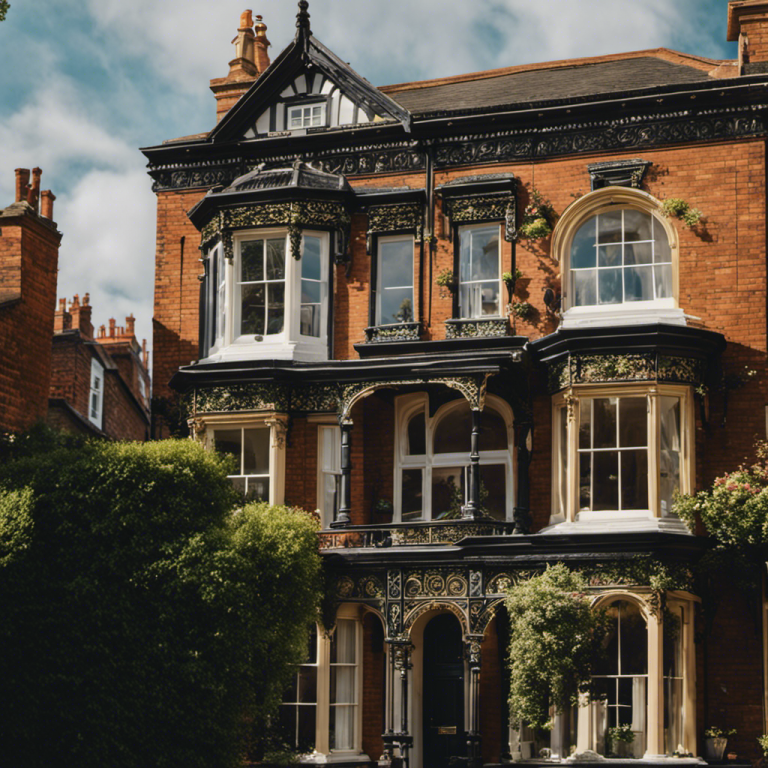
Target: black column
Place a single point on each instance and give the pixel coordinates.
(471, 510)
(345, 503)
(522, 514)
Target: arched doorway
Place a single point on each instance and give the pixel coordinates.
(443, 691)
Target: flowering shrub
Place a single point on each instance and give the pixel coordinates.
(538, 217)
(735, 510)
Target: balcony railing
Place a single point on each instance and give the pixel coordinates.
(412, 534)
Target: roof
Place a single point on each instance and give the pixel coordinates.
(552, 81)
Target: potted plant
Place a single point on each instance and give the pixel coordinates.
(510, 279)
(521, 309)
(618, 740)
(538, 217)
(715, 741)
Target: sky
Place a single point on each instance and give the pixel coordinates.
(84, 84)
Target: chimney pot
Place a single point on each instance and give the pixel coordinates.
(22, 184)
(33, 195)
(46, 207)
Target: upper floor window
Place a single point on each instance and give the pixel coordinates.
(432, 460)
(625, 452)
(328, 472)
(311, 115)
(619, 256)
(479, 271)
(394, 281)
(96, 394)
(265, 303)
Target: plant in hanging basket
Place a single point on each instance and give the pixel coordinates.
(538, 218)
(521, 309)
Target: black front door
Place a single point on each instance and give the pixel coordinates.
(443, 688)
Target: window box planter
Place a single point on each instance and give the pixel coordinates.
(378, 334)
(478, 327)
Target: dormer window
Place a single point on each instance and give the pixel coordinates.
(306, 113)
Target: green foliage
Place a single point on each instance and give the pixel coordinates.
(143, 622)
(521, 309)
(512, 277)
(719, 733)
(763, 742)
(621, 733)
(735, 510)
(538, 218)
(4, 6)
(555, 637)
(445, 278)
(679, 208)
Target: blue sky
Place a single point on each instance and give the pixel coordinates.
(85, 84)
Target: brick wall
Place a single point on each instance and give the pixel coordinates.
(28, 269)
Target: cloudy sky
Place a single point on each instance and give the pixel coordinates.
(84, 84)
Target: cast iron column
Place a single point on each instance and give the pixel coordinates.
(345, 504)
(471, 511)
(522, 513)
(388, 736)
(403, 738)
(474, 655)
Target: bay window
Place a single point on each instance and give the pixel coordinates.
(479, 271)
(264, 303)
(620, 452)
(432, 460)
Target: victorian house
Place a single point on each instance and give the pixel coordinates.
(481, 324)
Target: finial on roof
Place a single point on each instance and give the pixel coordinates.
(302, 21)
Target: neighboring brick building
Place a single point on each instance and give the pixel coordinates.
(98, 386)
(462, 320)
(29, 256)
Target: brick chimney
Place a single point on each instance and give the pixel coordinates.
(33, 193)
(748, 24)
(46, 206)
(22, 184)
(62, 320)
(251, 59)
(81, 316)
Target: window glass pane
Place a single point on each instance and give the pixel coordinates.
(634, 640)
(637, 225)
(485, 254)
(583, 246)
(605, 485)
(454, 431)
(305, 741)
(609, 227)
(276, 259)
(412, 504)
(609, 256)
(584, 288)
(638, 253)
(493, 431)
(276, 308)
(448, 495)
(396, 306)
(634, 479)
(585, 424)
(585, 481)
(493, 483)
(605, 421)
(663, 275)
(609, 284)
(489, 298)
(661, 249)
(633, 422)
(251, 260)
(256, 451)
(343, 643)
(396, 263)
(342, 728)
(417, 437)
(311, 258)
(252, 309)
(562, 478)
(638, 283)
(669, 451)
(256, 488)
(307, 680)
(229, 441)
(310, 292)
(312, 646)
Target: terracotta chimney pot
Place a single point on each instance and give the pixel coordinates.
(22, 184)
(46, 206)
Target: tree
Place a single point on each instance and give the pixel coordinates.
(555, 637)
(4, 6)
(144, 623)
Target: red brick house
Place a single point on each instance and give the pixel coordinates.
(481, 324)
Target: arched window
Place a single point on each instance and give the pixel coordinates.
(619, 255)
(432, 460)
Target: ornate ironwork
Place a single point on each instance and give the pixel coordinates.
(395, 332)
(649, 366)
(241, 397)
(618, 173)
(471, 329)
(397, 217)
(471, 209)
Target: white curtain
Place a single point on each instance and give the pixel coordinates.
(639, 712)
(343, 685)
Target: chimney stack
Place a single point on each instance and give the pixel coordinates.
(33, 195)
(748, 23)
(81, 316)
(22, 184)
(62, 320)
(251, 59)
(46, 207)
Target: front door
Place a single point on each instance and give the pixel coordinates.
(443, 690)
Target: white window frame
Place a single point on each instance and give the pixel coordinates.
(469, 230)
(568, 405)
(328, 466)
(665, 310)
(298, 704)
(216, 298)
(275, 422)
(290, 343)
(305, 112)
(96, 394)
(380, 288)
(408, 406)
